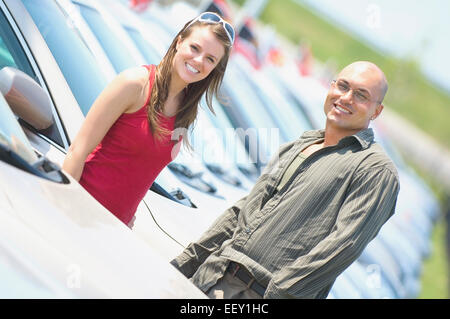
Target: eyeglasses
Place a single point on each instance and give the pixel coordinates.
(343, 87)
(211, 17)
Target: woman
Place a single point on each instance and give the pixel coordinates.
(126, 139)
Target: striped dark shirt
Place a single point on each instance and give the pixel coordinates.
(297, 241)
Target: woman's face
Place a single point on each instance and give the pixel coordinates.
(197, 55)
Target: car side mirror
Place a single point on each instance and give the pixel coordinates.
(27, 99)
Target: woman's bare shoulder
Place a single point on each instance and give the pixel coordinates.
(134, 86)
(135, 76)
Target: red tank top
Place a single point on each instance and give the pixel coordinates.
(121, 169)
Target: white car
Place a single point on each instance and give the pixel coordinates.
(77, 80)
(56, 241)
(62, 217)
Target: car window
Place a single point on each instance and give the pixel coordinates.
(16, 150)
(73, 57)
(119, 57)
(13, 55)
(12, 136)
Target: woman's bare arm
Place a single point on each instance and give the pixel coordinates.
(123, 94)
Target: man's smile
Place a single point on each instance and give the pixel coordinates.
(342, 109)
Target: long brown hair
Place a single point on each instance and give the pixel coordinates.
(187, 112)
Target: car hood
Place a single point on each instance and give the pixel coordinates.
(72, 237)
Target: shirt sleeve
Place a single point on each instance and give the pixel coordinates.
(222, 229)
(370, 202)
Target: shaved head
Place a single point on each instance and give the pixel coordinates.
(355, 98)
(366, 68)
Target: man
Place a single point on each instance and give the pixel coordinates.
(313, 210)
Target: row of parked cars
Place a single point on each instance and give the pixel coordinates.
(56, 241)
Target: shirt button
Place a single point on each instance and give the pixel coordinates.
(247, 230)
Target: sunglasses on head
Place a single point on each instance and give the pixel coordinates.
(211, 17)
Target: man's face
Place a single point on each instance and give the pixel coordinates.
(354, 98)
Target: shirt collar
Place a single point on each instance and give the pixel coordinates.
(364, 137)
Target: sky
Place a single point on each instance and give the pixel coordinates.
(416, 29)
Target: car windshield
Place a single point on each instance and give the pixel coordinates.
(242, 92)
(143, 45)
(121, 59)
(221, 121)
(252, 110)
(12, 136)
(287, 115)
(73, 57)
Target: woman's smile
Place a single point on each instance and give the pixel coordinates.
(197, 55)
(191, 68)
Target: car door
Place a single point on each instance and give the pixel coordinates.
(73, 80)
(15, 52)
(56, 223)
(50, 248)
(23, 47)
